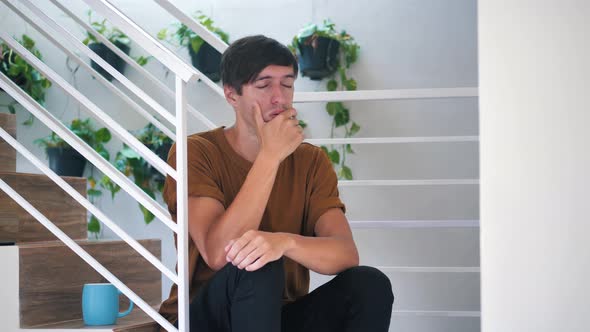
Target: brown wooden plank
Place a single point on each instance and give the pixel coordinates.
(136, 321)
(7, 153)
(52, 277)
(19, 226)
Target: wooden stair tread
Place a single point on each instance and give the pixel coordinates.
(41, 175)
(17, 225)
(7, 152)
(136, 321)
(85, 242)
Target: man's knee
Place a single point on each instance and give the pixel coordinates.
(269, 279)
(367, 283)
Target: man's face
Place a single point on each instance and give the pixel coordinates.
(272, 89)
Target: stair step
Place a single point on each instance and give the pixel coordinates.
(7, 153)
(52, 277)
(136, 321)
(19, 226)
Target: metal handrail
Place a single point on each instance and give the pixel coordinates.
(88, 205)
(129, 60)
(208, 36)
(77, 143)
(100, 115)
(152, 46)
(100, 61)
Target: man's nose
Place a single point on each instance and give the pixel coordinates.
(278, 96)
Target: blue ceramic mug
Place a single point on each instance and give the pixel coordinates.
(100, 304)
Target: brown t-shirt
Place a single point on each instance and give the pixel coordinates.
(305, 187)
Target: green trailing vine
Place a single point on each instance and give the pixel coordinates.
(339, 80)
(23, 74)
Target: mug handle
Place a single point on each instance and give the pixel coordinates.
(126, 312)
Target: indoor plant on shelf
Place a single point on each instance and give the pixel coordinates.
(203, 56)
(65, 160)
(23, 74)
(115, 36)
(325, 53)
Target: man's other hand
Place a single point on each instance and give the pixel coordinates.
(255, 249)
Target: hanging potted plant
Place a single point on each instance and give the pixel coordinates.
(115, 36)
(23, 74)
(318, 49)
(318, 60)
(203, 56)
(65, 160)
(130, 163)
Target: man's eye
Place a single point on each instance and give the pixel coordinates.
(262, 86)
(287, 86)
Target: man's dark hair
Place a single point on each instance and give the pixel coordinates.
(245, 58)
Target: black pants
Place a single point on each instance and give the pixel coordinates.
(358, 299)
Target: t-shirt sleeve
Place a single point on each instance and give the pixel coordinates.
(324, 191)
(202, 178)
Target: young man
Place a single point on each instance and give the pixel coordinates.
(264, 210)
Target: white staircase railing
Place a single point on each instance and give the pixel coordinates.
(185, 73)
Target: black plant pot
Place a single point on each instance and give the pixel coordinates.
(109, 56)
(66, 161)
(161, 152)
(319, 59)
(207, 60)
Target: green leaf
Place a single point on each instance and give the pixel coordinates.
(28, 43)
(29, 121)
(93, 225)
(104, 153)
(142, 60)
(325, 149)
(129, 153)
(333, 107)
(334, 156)
(346, 172)
(15, 70)
(103, 135)
(147, 215)
(350, 84)
(162, 34)
(94, 193)
(349, 148)
(11, 109)
(354, 128)
(332, 85)
(342, 117)
(302, 124)
(196, 44)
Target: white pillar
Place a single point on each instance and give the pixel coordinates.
(534, 60)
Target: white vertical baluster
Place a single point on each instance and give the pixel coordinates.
(181, 205)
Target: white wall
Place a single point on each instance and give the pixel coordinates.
(404, 44)
(534, 74)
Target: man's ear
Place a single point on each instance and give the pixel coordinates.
(230, 95)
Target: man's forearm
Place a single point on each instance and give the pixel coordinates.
(324, 255)
(246, 210)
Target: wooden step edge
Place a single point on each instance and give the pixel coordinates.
(41, 175)
(86, 242)
(136, 320)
